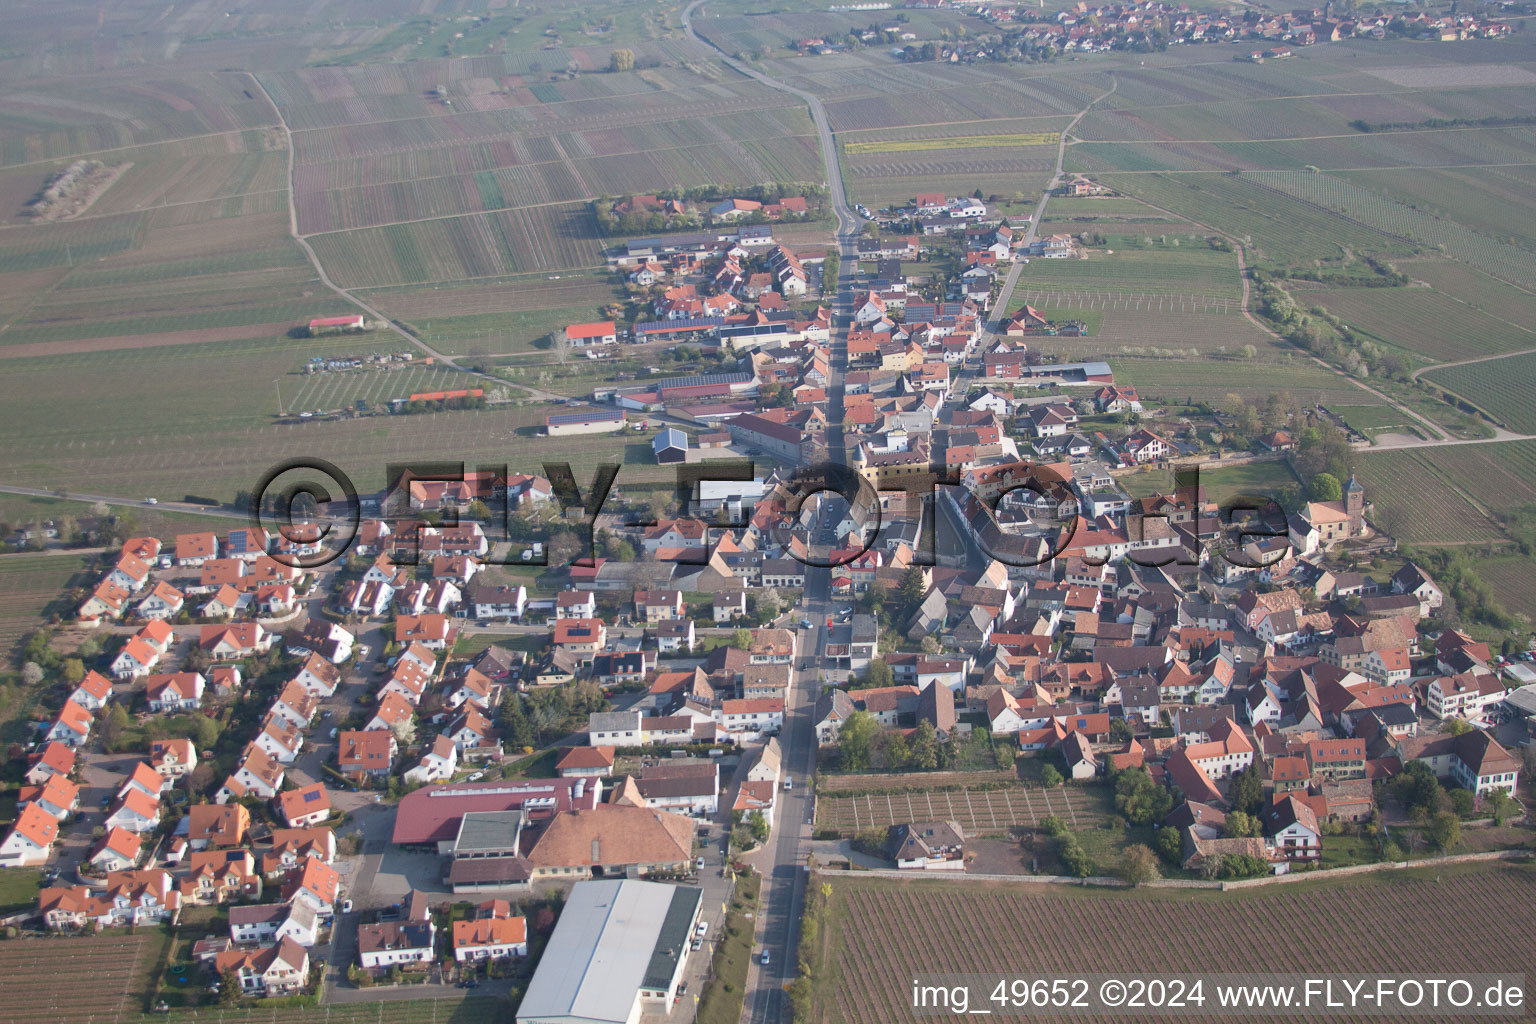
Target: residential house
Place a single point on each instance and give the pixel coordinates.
(278, 970)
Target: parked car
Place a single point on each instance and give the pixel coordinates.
(346, 906)
(765, 958)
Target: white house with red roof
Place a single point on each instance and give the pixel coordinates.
(55, 759)
(318, 676)
(494, 933)
(232, 642)
(135, 811)
(1145, 446)
(163, 602)
(57, 795)
(137, 658)
(305, 806)
(93, 692)
(144, 779)
(129, 572)
(30, 840)
(193, 549)
(107, 601)
(260, 775)
(280, 738)
(173, 758)
(118, 850)
(583, 335)
(72, 727)
(438, 764)
(316, 882)
(175, 691)
(433, 631)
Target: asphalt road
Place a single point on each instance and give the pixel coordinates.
(783, 895)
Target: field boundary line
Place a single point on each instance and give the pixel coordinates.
(314, 259)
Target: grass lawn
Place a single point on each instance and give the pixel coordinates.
(535, 766)
(19, 887)
(721, 1000)
(1347, 851)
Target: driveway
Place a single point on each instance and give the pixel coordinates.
(100, 778)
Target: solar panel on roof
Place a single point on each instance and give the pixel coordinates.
(585, 417)
(703, 380)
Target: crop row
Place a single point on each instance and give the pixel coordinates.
(1501, 386)
(954, 142)
(1497, 259)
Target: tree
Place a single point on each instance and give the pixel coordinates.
(31, 673)
(519, 729)
(1499, 805)
(912, 589)
(477, 510)
(1120, 730)
(73, 671)
(1444, 831)
(1240, 825)
(229, 988)
(1139, 800)
(1325, 487)
(878, 674)
(1456, 726)
(404, 730)
(1417, 788)
(1169, 844)
(204, 732)
(1074, 859)
(741, 639)
(1138, 865)
(1053, 826)
(621, 60)
(1049, 776)
(923, 750)
(856, 741)
(1247, 793)
(758, 825)
(1242, 865)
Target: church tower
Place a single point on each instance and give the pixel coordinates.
(1354, 505)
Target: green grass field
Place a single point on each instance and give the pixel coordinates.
(1154, 264)
(32, 586)
(1212, 379)
(1260, 479)
(1371, 420)
(1277, 229)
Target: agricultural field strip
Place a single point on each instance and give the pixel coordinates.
(992, 811)
(49, 162)
(537, 164)
(1019, 140)
(1130, 301)
(1504, 398)
(550, 129)
(882, 933)
(1351, 202)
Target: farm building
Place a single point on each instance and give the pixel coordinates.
(617, 952)
(584, 421)
(337, 324)
(671, 445)
(582, 335)
(777, 439)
